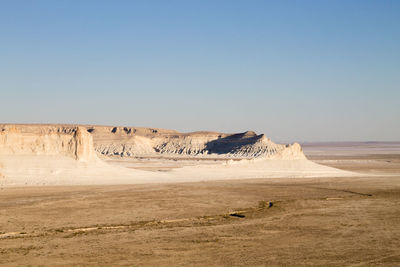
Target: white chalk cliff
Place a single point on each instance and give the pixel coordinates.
(66, 155)
(75, 142)
(133, 142)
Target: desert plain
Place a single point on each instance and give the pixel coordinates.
(352, 219)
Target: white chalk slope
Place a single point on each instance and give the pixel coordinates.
(58, 155)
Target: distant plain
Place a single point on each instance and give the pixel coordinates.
(312, 221)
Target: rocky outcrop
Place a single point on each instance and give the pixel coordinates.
(84, 149)
(82, 143)
(142, 142)
(72, 141)
(65, 155)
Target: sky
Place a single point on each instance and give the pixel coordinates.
(294, 70)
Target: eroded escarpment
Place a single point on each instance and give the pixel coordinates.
(66, 155)
(71, 141)
(142, 142)
(82, 143)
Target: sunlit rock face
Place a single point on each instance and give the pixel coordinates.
(141, 142)
(70, 141)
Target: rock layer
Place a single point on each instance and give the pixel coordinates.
(65, 155)
(142, 142)
(81, 142)
(73, 141)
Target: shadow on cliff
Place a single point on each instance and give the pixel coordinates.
(229, 144)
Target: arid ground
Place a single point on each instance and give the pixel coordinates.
(259, 222)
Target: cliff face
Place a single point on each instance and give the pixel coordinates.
(137, 142)
(84, 149)
(75, 142)
(66, 154)
(82, 143)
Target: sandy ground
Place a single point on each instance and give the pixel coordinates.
(352, 221)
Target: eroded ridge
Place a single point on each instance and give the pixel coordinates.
(137, 142)
(76, 141)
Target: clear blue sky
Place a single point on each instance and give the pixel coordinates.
(295, 70)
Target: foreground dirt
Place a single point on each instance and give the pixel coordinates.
(332, 222)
